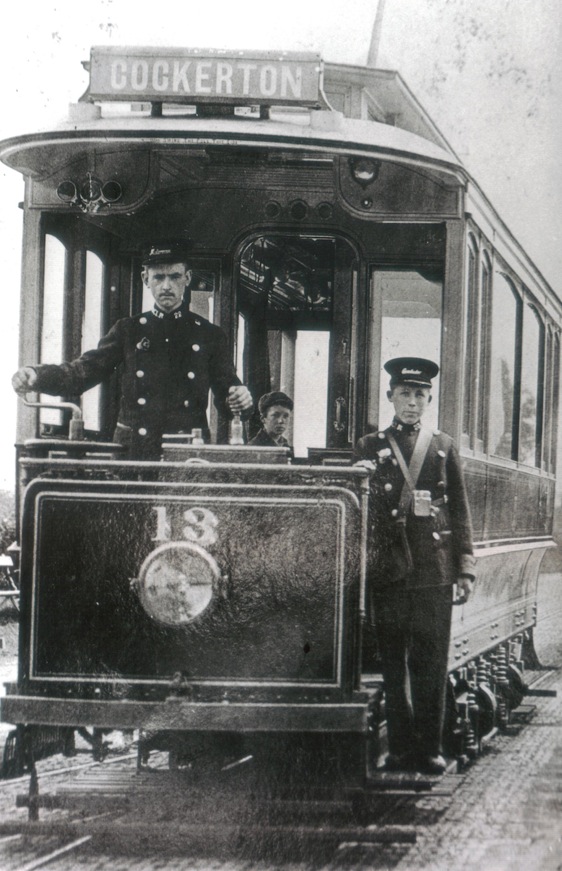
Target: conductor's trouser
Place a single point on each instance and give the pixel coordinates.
(413, 630)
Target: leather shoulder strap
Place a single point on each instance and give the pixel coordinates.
(422, 445)
(411, 473)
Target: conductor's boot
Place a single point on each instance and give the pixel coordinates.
(431, 765)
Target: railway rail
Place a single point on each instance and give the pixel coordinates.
(86, 812)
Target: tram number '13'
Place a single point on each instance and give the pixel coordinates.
(200, 525)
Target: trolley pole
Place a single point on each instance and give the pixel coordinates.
(372, 57)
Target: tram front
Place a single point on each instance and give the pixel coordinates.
(214, 590)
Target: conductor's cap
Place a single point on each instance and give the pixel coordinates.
(168, 251)
(275, 398)
(411, 370)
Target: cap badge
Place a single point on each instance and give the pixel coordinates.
(411, 372)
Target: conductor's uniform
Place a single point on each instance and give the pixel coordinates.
(415, 558)
(168, 363)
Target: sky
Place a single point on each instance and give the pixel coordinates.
(488, 72)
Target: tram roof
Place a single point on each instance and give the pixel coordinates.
(37, 154)
(360, 110)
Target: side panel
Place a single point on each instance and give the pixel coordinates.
(503, 604)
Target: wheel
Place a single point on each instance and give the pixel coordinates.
(517, 689)
(487, 712)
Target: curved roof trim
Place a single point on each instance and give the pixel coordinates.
(335, 133)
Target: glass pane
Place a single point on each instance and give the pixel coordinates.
(555, 401)
(502, 375)
(52, 316)
(530, 368)
(548, 394)
(482, 370)
(91, 334)
(202, 293)
(409, 306)
(471, 330)
(312, 351)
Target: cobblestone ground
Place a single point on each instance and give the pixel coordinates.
(507, 815)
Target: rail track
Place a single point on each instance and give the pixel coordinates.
(71, 813)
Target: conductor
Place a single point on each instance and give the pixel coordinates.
(421, 546)
(169, 357)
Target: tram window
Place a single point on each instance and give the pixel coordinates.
(530, 423)
(405, 321)
(554, 381)
(506, 308)
(475, 347)
(470, 337)
(52, 316)
(482, 390)
(91, 333)
(550, 413)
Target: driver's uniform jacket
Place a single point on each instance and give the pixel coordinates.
(168, 363)
(440, 544)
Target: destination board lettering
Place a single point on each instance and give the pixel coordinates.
(185, 77)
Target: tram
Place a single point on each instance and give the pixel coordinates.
(332, 227)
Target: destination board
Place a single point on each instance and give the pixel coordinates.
(193, 76)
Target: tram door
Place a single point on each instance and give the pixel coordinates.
(295, 300)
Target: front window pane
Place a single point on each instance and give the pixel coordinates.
(91, 333)
(52, 316)
(311, 390)
(409, 305)
(502, 375)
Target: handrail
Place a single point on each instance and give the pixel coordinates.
(76, 424)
